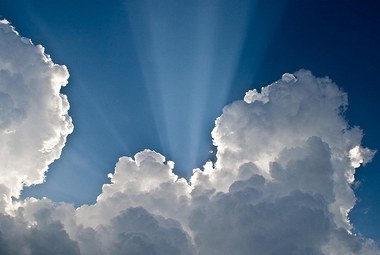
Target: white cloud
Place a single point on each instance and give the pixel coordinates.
(281, 184)
(148, 181)
(360, 155)
(34, 122)
(285, 115)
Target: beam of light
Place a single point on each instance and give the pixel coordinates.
(189, 63)
(188, 55)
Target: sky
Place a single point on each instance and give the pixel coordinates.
(177, 78)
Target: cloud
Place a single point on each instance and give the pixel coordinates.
(284, 116)
(45, 236)
(137, 231)
(287, 214)
(281, 183)
(34, 122)
(286, 159)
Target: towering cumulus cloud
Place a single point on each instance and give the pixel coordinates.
(34, 122)
(281, 184)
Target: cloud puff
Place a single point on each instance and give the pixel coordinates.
(281, 184)
(34, 122)
(44, 236)
(252, 134)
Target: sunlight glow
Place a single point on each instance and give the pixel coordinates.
(184, 69)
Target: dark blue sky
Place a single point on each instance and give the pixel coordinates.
(156, 74)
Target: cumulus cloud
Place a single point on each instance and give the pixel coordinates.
(43, 236)
(34, 122)
(281, 183)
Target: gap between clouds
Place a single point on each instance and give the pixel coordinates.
(281, 184)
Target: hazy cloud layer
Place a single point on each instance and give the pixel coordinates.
(286, 158)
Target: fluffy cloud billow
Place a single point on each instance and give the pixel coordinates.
(281, 183)
(34, 122)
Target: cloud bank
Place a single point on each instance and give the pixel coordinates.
(281, 184)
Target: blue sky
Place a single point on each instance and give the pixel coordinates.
(156, 74)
